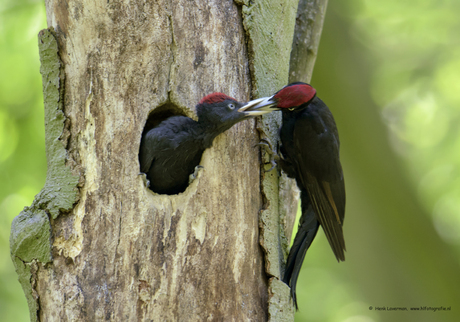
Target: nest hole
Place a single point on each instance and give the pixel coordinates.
(160, 114)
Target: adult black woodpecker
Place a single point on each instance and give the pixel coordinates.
(310, 154)
(170, 151)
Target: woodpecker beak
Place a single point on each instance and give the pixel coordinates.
(259, 106)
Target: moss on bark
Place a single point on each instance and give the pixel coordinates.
(30, 238)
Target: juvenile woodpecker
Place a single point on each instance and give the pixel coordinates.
(170, 152)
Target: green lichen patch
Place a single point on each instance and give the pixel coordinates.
(59, 192)
(269, 27)
(280, 306)
(25, 276)
(30, 237)
(30, 242)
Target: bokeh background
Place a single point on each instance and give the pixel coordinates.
(390, 73)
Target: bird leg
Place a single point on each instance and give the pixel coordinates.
(274, 157)
(285, 164)
(194, 175)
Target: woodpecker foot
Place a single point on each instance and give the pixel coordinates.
(274, 158)
(195, 173)
(144, 179)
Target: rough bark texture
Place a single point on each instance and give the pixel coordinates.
(108, 247)
(309, 25)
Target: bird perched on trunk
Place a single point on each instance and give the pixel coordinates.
(170, 151)
(310, 154)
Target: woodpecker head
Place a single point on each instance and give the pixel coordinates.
(224, 111)
(290, 97)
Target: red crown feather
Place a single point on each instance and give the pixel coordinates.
(215, 98)
(294, 95)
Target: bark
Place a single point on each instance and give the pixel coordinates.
(96, 244)
(309, 25)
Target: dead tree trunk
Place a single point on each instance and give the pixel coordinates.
(96, 244)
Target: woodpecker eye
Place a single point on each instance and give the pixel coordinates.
(231, 106)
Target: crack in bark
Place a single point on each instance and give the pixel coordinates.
(173, 54)
(119, 227)
(249, 50)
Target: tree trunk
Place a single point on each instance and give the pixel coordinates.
(97, 244)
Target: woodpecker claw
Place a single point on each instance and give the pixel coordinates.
(273, 163)
(194, 175)
(274, 157)
(144, 179)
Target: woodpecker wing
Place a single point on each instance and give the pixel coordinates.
(316, 145)
(146, 155)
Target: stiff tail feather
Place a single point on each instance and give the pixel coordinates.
(308, 227)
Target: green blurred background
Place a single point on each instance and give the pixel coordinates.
(390, 73)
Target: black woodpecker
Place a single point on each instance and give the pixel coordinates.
(170, 151)
(310, 154)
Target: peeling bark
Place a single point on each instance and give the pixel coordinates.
(117, 251)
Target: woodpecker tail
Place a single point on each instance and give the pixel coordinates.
(308, 227)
